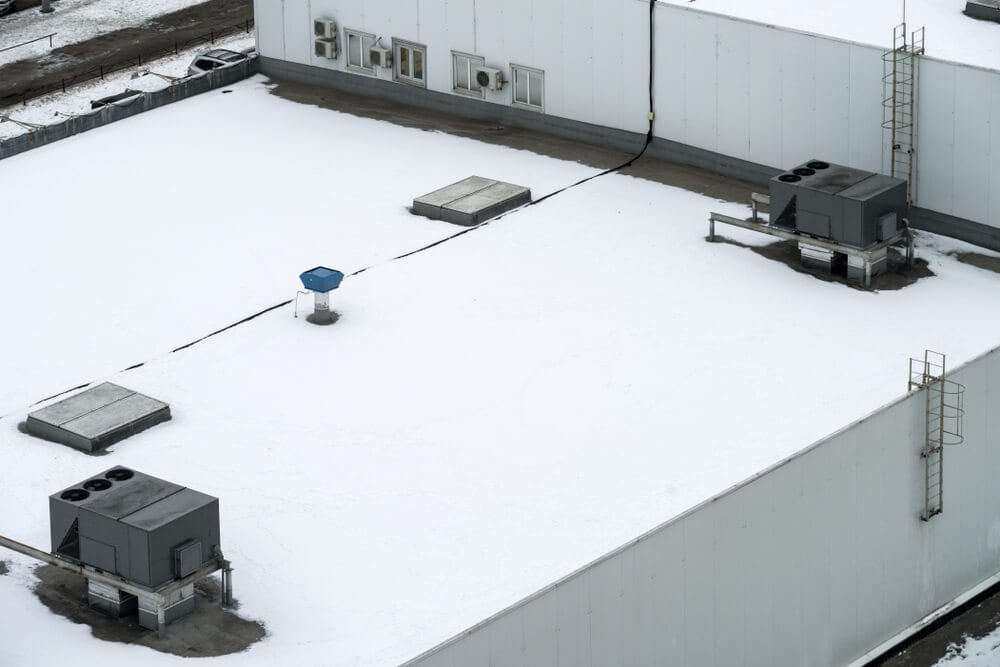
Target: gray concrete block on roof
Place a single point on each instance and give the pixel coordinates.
(471, 201)
(97, 417)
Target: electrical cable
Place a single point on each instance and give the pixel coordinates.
(534, 202)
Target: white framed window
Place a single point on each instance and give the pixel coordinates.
(409, 62)
(358, 49)
(463, 73)
(528, 88)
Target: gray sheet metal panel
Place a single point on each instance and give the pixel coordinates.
(186, 515)
(104, 530)
(453, 192)
(124, 496)
(814, 561)
(114, 416)
(139, 565)
(61, 518)
(81, 404)
(58, 434)
(98, 555)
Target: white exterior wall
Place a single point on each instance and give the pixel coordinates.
(958, 121)
(778, 97)
(595, 55)
(767, 95)
(763, 94)
(814, 562)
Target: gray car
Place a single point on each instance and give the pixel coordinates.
(7, 6)
(213, 59)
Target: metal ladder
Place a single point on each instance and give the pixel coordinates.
(943, 422)
(899, 94)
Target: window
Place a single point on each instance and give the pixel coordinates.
(409, 62)
(463, 73)
(529, 87)
(359, 46)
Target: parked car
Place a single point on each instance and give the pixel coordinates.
(7, 6)
(214, 59)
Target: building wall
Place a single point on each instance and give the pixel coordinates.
(745, 97)
(595, 55)
(813, 562)
(779, 97)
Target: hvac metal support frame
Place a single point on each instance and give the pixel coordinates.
(866, 254)
(944, 412)
(159, 595)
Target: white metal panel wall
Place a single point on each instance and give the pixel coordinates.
(298, 32)
(958, 147)
(269, 24)
(594, 54)
(767, 95)
(814, 562)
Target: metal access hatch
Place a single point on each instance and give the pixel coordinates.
(471, 201)
(97, 417)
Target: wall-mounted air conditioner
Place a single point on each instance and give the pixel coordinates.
(324, 29)
(380, 56)
(327, 48)
(489, 78)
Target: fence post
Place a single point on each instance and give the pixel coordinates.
(212, 33)
(63, 82)
(102, 71)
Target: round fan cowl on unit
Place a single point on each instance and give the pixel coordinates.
(97, 485)
(789, 178)
(74, 495)
(119, 474)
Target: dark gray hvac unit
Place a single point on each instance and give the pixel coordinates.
(836, 203)
(144, 530)
(983, 9)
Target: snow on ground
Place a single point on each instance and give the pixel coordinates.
(950, 34)
(973, 652)
(486, 417)
(151, 76)
(75, 21)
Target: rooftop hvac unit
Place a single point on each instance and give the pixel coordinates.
(489, 78)
(327, 48)
(145, 531)
(380, 56)
(325, 29)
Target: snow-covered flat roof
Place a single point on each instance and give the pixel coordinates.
(486, 416)
(950, 35)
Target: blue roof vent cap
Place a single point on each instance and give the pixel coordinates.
(321, 279)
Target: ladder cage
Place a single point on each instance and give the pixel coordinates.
(944, 416)
(899, 94)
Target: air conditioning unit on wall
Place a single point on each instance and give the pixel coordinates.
(324, 29)
(327, 48)
(380, 56)
(489, 78)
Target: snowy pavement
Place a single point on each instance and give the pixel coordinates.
(950, 35)
(75, 21)
(148, 77)
(486, 417)
(974, 652)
